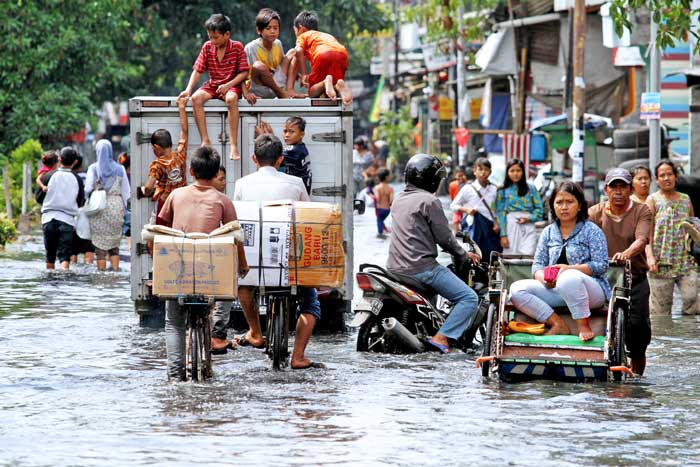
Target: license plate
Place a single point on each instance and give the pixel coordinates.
(373, 305)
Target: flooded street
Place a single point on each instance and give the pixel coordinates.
(82, 384)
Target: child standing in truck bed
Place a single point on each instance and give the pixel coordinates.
(296, 157)
(328, 58)
(225, 61)
(169, 169)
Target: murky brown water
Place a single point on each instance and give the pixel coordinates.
(82, 384)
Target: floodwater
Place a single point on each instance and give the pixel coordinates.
(81, 384)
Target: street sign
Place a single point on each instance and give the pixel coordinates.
(650, 108)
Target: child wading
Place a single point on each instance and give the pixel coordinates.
(225, 61)
(384, 195)
(328, 58)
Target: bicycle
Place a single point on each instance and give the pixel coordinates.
(197, 309)
(278, 302)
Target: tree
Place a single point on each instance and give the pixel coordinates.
(56, 57)
(674, 18)
(398, 130)
(172, 33)
(443, 21)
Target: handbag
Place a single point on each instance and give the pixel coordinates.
(82, 225)
(96, 203)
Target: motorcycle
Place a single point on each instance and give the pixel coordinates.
(397, 314)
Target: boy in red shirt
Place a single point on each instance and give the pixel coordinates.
(328, 58)
(225, 61)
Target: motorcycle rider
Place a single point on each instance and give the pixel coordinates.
(418, 223)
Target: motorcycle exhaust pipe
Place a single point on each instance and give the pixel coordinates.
(399, 332)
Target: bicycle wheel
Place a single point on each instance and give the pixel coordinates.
(206, 327)
(200, 353)
(278, 343)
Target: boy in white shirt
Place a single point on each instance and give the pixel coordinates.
(477, 200)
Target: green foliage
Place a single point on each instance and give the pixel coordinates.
(674, 18)
(397, 129)
(29, 151)
(8, 232)
(61, 58)
(57, 56)
(172, 33)
(443, 22)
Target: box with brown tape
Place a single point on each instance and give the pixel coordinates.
(292, 243)
(207, 266)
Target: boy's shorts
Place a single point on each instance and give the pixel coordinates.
(263, 91)
(210, 89)
(456, 217)
(329, 63)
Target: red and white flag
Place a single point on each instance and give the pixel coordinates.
(517, 147)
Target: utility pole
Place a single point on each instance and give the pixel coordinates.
(654, 86)
(462, 152)
(577, 148)
(395, 86)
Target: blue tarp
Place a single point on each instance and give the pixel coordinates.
(500, 114)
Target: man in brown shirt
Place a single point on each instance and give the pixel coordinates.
(626, 225)
(196, 208)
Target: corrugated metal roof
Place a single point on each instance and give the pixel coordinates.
(537, 7)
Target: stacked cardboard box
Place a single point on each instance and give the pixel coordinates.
(292, 243)
(207, 266)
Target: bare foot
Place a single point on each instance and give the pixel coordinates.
(638, 365)
(234, 155)
(556, 325)
(206, 142)
(584, 330)
(330, 90)
(345, 93)
(220, 344)
(302, 363)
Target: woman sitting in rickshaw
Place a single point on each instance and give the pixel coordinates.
(569, 268)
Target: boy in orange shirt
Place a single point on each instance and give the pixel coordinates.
(328, 58)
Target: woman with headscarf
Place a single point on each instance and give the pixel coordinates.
(106, 226)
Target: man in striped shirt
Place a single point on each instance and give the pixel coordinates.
(225, 61)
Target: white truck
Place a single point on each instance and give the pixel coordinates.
(328, 137)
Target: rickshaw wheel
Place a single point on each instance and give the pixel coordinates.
(620, 357)
(491, 322)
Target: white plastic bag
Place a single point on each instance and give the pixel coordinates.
(82, 225)
(96, 203)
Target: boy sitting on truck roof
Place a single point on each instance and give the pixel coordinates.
(196, 208)
(328, 58)
(168, 170)
(272, 73)
(225, 61)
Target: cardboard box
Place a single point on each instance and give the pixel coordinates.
(207, 266)
(292, 243)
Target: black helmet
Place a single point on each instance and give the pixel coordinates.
(425, 172)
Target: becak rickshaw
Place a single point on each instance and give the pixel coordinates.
(516, 348)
